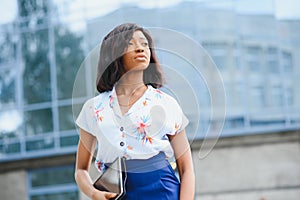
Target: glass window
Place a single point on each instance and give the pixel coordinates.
(254, 58)
(237, 99)
(290, 79)
(237, 59)
(76, 109)
(218, 52)
(228, 86)
(71, 140)
(235, 96)
(52, 176)
(47, 142)
(33, 7)
(232, 123)
(287, 62)
(60, 196)
(266, 122)
(69, 56)
(10, 130)
(33, 12)
(9, 147)
(7, 86)
(8, 45)
(36, 77)
(53, 183)
(38, 121)
(257, 97)
(272, 61)
(289, 96)
(276, 96)
(10, 124)
(66, 119)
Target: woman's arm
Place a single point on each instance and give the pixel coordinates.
(85, 151)
(184, 162)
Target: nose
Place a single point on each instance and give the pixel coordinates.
(139, 48)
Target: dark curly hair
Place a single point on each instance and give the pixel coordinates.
(110, 66)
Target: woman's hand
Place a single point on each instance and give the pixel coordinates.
(101, 195)
(86, 147)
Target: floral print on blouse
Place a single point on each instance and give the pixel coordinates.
(138, 134)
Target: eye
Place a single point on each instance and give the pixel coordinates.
(130, 43)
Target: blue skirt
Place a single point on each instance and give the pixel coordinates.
(151, 179)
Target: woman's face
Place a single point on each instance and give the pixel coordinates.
(137, 54)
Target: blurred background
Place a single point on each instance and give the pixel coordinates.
(255, 45)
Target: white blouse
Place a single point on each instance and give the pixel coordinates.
(138, 134)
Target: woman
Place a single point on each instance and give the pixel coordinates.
(132, 118)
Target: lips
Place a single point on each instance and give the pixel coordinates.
(141, 57)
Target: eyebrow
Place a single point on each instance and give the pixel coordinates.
(143, 38)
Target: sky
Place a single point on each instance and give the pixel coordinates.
(283, 9)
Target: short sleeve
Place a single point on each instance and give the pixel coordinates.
(176, 117)
(85, 118)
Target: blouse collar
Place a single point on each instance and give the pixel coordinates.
(114, 104)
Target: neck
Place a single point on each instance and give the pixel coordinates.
(129, 82)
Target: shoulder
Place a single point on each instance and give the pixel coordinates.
(160, 94)
(163, 98)
(95, 101)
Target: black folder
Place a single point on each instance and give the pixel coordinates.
(113, 179)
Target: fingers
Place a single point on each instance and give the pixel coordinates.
(109, 195)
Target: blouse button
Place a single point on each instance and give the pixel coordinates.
(122, 128)
(122, 144)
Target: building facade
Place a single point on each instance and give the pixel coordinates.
(44, 83)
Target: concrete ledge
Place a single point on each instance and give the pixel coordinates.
(249, 140)
(38, 163)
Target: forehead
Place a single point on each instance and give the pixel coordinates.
(138, 35)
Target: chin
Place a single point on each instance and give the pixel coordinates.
(140, 67)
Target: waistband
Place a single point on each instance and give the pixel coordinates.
(154, 163)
